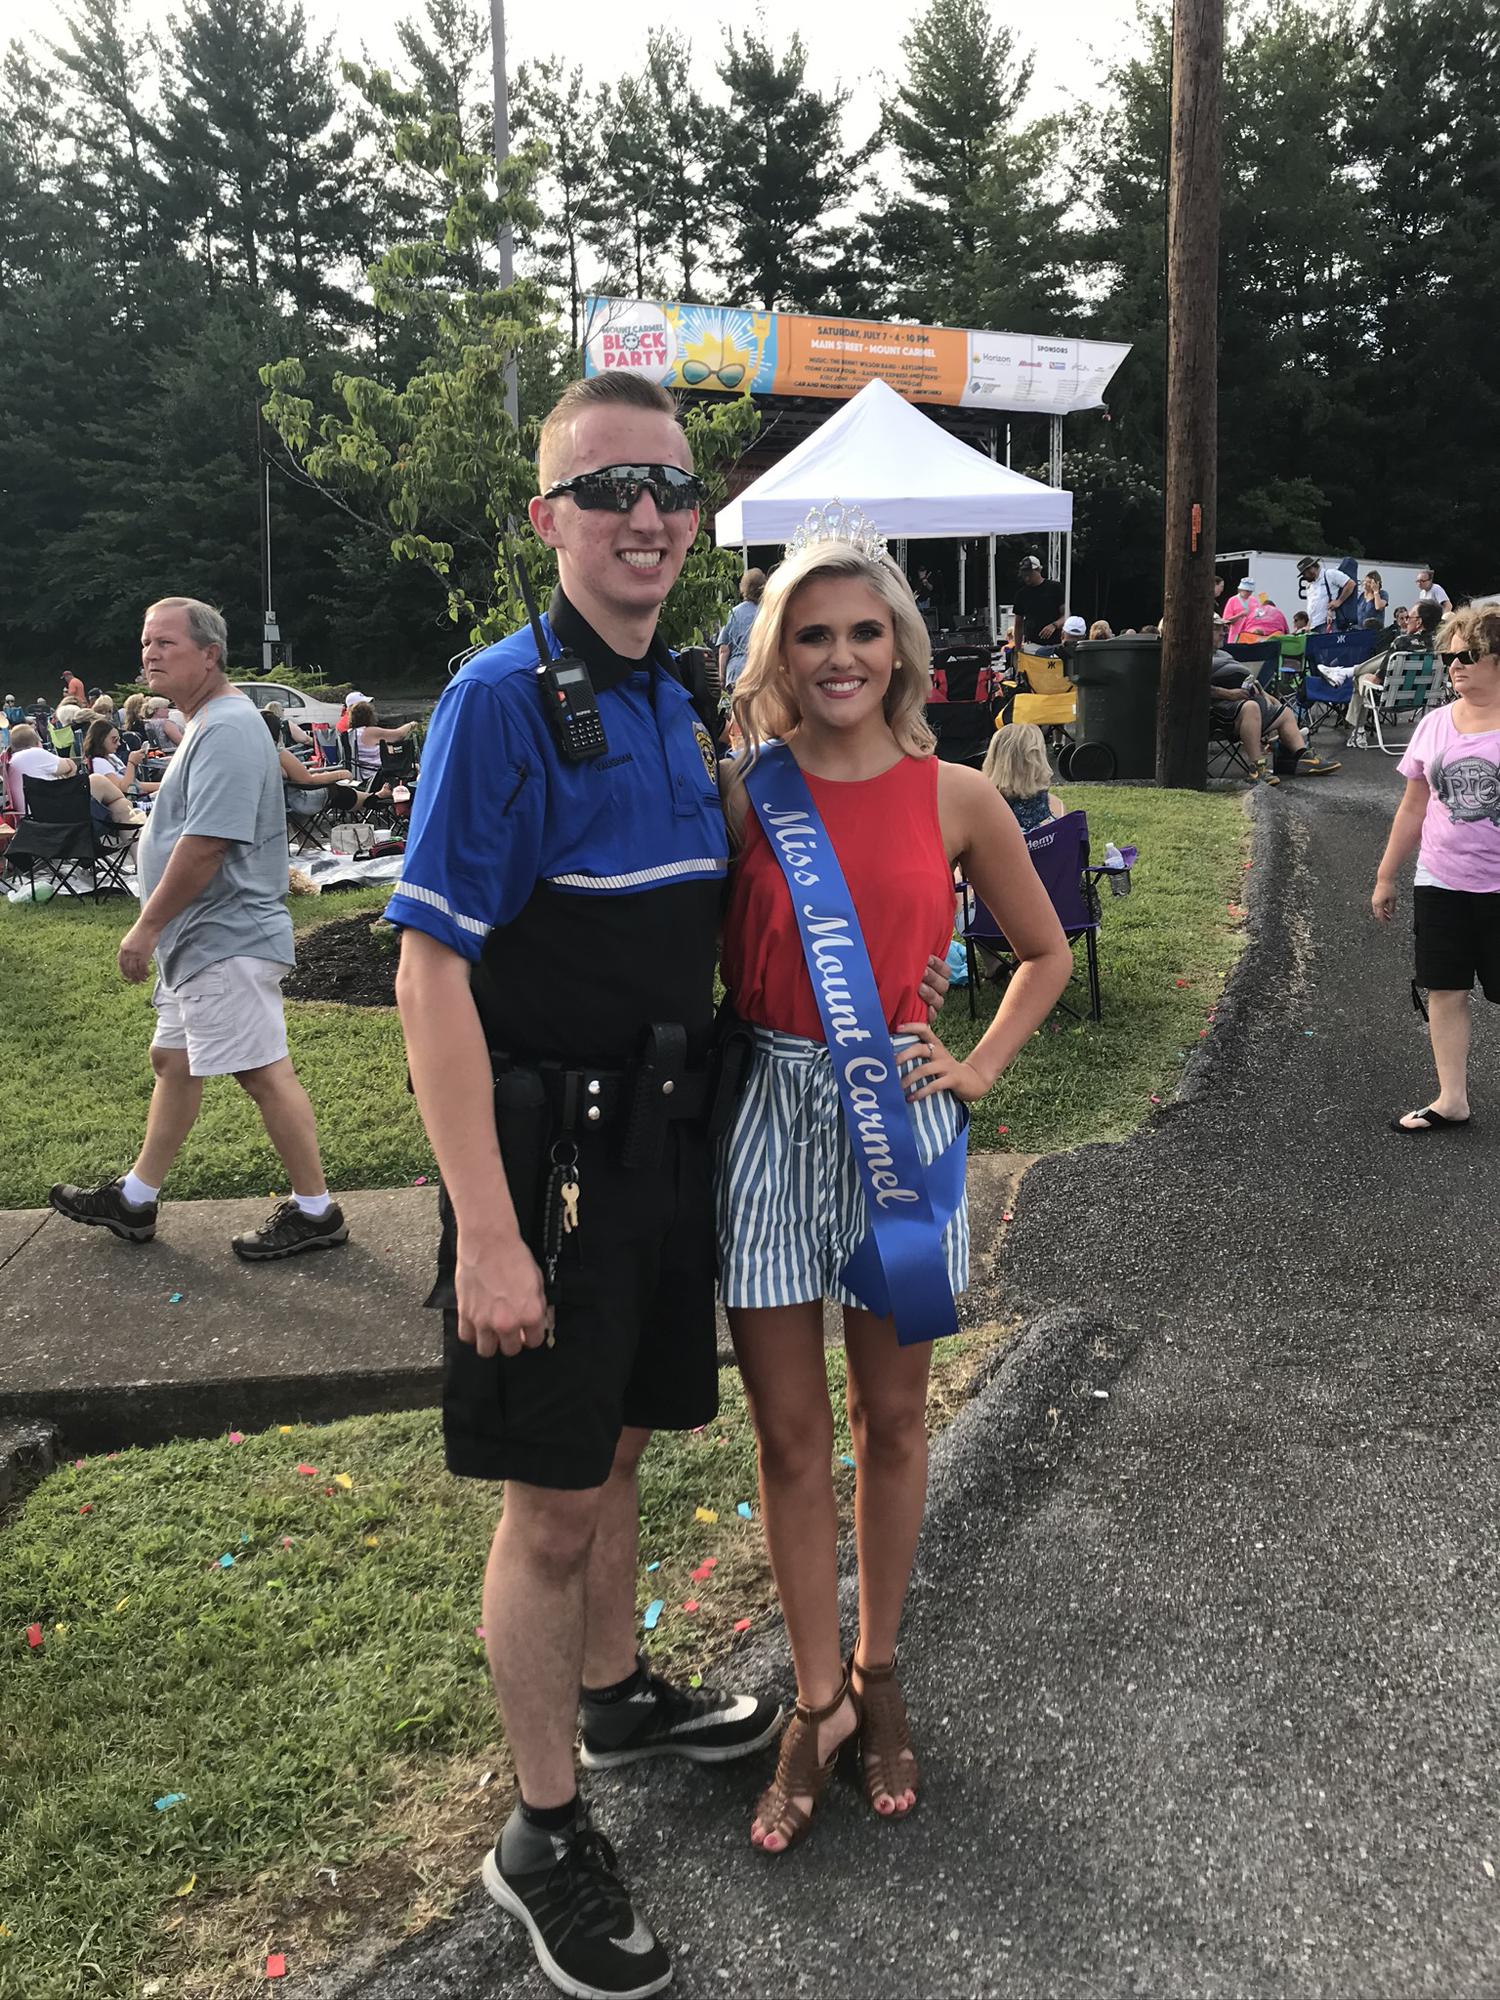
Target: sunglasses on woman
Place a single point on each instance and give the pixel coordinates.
(1465, 657)
(614, 489)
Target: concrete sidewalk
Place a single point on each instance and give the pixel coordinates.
(1206, 1690)
(112, 1343)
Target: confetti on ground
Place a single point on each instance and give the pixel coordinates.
(286, 1541)
(308, 1471)
(226, 1562)
(87, 1507)
(651, 1568)
(175, 1299)
(653, 1611)
(33, 1636)
(169, 1799)
(123, 1602)
(188, 1887)
(79, 1461)
(845, 1459)
(1154, 1098)
(695, 1680)
(343, 1479)
(706, 1568)
(478, 1631)
(485, 1778)
(285, 1429)
(276, 1965)
(1008, 1216)
(420, 1181)
(1181, 982)
(236, 1437)
(372, 1541)
(690, 1604)
(743, 1510)
(742, 1624)
(1004, 1129)
(60, 1629)
(705, 1514)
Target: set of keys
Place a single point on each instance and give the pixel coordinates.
(559, 1213)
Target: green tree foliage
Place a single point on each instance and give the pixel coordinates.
(564, 119)
(782, 172)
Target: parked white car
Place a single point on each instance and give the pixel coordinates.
(295, 706)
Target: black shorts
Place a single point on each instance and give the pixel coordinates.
(634, 1342)
(1458, 940)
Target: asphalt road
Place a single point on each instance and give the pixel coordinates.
(1202, 1651)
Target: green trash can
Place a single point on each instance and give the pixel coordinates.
(1117, 681)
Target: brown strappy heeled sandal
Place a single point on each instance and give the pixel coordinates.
(799, 1775)
(890, 1763)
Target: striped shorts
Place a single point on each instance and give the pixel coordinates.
(789, 1201)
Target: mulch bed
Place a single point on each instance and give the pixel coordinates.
(343, 961)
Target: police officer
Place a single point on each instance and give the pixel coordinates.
(559, 906)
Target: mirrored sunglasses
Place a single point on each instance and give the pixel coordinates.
(614, 489)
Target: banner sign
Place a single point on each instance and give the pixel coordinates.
(731, 351)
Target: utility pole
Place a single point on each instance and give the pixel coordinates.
(1192, 393)
(502, 154)
(270, 631)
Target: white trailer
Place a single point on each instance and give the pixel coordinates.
(1275, 574)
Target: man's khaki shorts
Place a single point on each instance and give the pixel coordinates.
(228, 1016)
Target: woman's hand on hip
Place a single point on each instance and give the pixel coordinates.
(933, 1067)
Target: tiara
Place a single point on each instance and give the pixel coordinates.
(838, 523)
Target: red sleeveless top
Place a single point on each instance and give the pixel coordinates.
(889, 842)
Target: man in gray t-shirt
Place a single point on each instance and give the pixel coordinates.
(213, 883)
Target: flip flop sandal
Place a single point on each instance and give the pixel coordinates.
(1436, 1122)
(890, 1766)
(799, 1774)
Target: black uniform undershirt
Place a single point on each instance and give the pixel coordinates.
(607, 668)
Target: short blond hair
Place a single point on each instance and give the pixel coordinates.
(1016, 762)
(1475, 626)
(24, 737)
(763, 709)
(615, 390)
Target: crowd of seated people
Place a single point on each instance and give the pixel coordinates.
(29, 761)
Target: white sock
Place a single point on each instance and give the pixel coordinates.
(135, 1190)
(315, 1205)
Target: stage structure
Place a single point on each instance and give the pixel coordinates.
(970, 375)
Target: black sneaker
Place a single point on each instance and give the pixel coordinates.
(287, 1230)
(660, 1720)
(105, 1207)
(589, 1938)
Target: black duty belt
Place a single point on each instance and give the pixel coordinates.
(585, 1097)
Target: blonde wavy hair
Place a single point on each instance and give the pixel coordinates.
(1016, 761)
(762, 707)
(1473, 625)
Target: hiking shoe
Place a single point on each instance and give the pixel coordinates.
(287, 1231)
(1309, 766)
(1263, 774)
(660, 1720)
(588, 1936)
(105, 1207)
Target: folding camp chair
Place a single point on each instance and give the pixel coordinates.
(1262, 657)
(309, 832)
(1059, 851)
(965, 671)
(963, 730)
(60, 832)
(1226, 753)
(1318, 700)
(1410, 684)
(329, 743)
(1050, 699)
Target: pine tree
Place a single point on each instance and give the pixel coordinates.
(782, 173)
(552, 107)
(686, 127)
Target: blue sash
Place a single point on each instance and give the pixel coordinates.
(898, 1270)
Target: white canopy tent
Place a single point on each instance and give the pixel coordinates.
(913, 479)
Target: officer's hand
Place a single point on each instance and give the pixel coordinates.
(501, 1304)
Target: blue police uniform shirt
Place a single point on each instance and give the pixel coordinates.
(587, 896)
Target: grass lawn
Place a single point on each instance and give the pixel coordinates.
(320, 1704)
(79, 1033)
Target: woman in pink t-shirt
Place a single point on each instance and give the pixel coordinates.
(1451, 815)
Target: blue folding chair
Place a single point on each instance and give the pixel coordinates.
(1059, 851)
(1318, 700)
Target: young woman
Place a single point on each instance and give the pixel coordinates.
(838, 670)
(102, 758)
(1451, 815)
(365, 739)
(1016, 764)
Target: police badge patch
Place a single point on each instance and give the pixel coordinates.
(705, 748)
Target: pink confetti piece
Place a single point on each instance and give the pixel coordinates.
(1007, 1216)
(690, 1604)
(79, 1461)
(1179, 982)
(276, 1965)
(34, 1637)
(1154, 1098)
(308, 1471)
(286, 1541)
(420, 1181)
(478, 1631)
(706, 1568)
(236, 1437)
(1005, 1129)
(87, 1507)
(742, 1624)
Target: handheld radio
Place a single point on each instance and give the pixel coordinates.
(568, 699)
